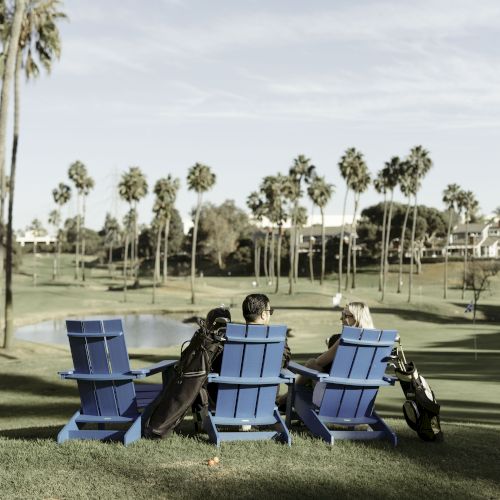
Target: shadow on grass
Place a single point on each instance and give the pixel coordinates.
(35, 385)
(32, 433)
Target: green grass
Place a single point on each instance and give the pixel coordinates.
(35, 404)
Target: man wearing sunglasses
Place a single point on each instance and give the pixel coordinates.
(257, 310)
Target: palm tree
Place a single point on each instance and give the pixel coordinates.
(379, 183)
(77, 173)
(391, 173)
(55, 221)
(166, 192)
(200, 179)
(256, 205)
(301, 170)
(468, 203)
(359, 184)
(111, 237)
(347, 165)
(88, 184)
(320, 193)
(420, 163)
(36, 229)
(450, 199)
(132, 188)
(61, 195)
(128, 226)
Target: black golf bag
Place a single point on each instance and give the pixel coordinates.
(421, 410)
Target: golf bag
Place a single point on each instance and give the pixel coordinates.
(421, 410)
(187, 381)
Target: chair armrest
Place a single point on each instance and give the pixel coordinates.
(212, 377)
(287, 376)
(391, 380)
(151, 370)
(65, 374)
(306, 372)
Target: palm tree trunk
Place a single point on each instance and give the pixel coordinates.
(125, 267)
(311, 268)
(292, 250)
(9, 305)
(412, 249)
(266, 244)
(354, 239)
(466, 251)
(382, 244)
(323, 246)
(278, 259)
(35, 266)
(256, 261)
(193, 248)
(11, 48)
(341, 243)
(83, 236)
(156, 272)
(402, 246)
(110, 258)
(445, 284)
(77, 243)
(136, 242)
(386, 245)
(165, 251)
(296, 255)
(271, 257)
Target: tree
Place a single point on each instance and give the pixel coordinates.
(391, 173)
(38, 39)
(468, 203)
(359, 184)
(112, 237)
(200, 179)
(61, 195)
(55, 221)
(132, 188)
(450, 199)
(302, 170)
(419, 163)
(320, 193)
(256, 205)
(37, 229)
(129, 223)
(77, 173)
(379, 183)
(88, 184)
(166, 193)
(348, 166)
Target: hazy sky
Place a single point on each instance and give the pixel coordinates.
(245, 86)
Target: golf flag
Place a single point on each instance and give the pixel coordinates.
(470, 307)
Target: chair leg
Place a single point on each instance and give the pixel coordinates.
(70, 426)
(134, 432)
(285, 434)
(290, 399)
(211, 429)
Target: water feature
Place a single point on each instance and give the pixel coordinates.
(141, 330)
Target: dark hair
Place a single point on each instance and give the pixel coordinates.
(218, 312)
(254, 305)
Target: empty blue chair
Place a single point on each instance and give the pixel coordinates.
(346, 396)
(248, 382)
(109, 398)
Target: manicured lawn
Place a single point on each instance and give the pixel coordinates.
(34, 403)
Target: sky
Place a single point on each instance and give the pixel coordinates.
(246, 86)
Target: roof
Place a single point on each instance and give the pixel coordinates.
(475, 227)
(489, 241)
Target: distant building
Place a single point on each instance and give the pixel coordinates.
(483, 240)
(29, 237)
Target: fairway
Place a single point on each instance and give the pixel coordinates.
(436, 334)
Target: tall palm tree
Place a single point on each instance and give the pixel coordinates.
(132, 188)
(37, 230)
(379, 183)
(128, 226)
(88, 184)
(302, 170)
(165, 190)
(320, 193)
(77, 173)
(256, 205)
(450, 199)
(468, 203)
(200, 179)
(391, 173)
(111, 237)
(55, 221)
(360, 183)
(348, 165)
(61, 195)
(420, 163)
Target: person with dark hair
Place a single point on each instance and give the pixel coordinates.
(257, 309)
(213, 315)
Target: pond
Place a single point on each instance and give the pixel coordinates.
(141, 330)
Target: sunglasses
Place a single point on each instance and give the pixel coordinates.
(270, 311)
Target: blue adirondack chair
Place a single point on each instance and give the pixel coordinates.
(346, 396)
(109, 397)
(248, 382)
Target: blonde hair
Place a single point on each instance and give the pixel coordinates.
(361, 313)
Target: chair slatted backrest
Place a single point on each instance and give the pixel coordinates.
(355, 361)
(98, 347)
(244, 358)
